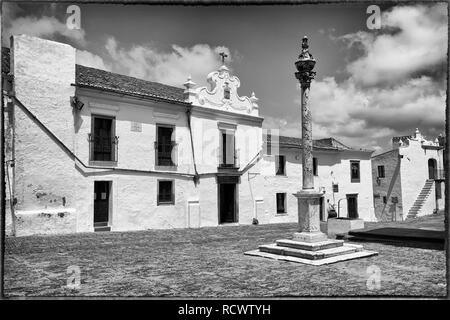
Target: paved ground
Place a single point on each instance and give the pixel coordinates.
(209, 262)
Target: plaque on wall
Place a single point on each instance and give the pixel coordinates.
(136, 126)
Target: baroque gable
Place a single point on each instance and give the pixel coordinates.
(221, 94)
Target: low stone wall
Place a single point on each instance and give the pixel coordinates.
(51, 221)
(338, 226)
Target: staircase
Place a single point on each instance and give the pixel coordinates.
(316, 253)
(421, 198)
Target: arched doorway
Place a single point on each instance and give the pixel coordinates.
(432, 166)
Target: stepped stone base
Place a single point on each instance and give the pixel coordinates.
(312, 253)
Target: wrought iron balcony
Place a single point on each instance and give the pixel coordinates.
(103, 149)
(166, 154)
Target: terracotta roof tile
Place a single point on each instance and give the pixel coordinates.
(100, 79)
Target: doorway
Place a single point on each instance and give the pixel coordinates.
(352, 206)
(227, 203)
(432, 165)
(322, 209)
(102, 191)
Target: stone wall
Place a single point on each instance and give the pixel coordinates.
(390, 187)
(45, 178)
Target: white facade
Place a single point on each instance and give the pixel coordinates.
(56, 181)
(333, 168)
(413, 171)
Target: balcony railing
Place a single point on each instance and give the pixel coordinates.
(103, 148)
(166, 154)
(228, 160)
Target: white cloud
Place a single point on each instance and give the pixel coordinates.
(415, 40)
(47, 27)
(172, 67)
(390, 89)
(89, 59)
(370, 117)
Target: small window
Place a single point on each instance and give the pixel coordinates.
(280, 165)
(354, 171)
(315, 172)
(384, 199)
(394, 199)
(335, 188)
(281, 202)
(380, 171)
(165, 192)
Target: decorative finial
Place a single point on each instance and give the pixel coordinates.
(305, 65)
(223, 55)
(305, 42)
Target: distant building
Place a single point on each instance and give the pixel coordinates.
(408, 181)
(342, 173)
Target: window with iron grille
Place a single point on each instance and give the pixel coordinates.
(354, 171)
(164, 146)
(166, 192)
(280, 165)
(281, 202)
(102, 139)
(380, 171)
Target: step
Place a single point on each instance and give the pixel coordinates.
(102, 229)
(101, 224)
(320, 262)
(315, 246)
(310, 255)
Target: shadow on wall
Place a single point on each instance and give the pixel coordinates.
(391, 213)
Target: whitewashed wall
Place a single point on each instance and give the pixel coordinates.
(414, 173)
(333, 167)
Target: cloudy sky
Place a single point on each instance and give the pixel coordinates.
(370, 84)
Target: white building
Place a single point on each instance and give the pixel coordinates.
(342, 173)
(93, 150)
(408, 181)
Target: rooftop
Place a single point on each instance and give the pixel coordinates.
(324, 144)
(113, 82)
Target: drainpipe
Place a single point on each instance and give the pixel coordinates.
(2, 185)
(188, 114)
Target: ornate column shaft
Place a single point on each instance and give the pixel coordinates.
(307, 158)
(308, 198)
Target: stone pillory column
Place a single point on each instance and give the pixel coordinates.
(309, 245)
(308, 197)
